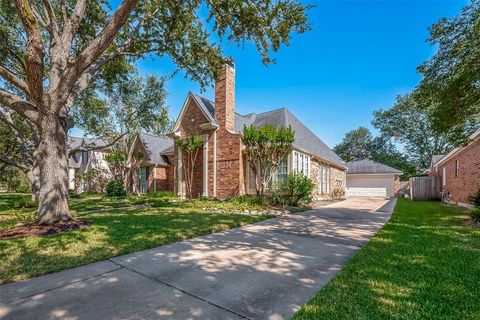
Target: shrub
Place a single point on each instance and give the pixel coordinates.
(475, 214)
(475, 199)
(115, 188)
(338, 193)
(25, 203)
(22, 187)
(298, 189)
(72, 194)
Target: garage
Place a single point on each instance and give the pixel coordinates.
(367, 178)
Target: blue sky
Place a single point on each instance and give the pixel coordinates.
(359, 56)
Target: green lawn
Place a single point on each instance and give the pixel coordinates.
(112, 233)
(424, 264)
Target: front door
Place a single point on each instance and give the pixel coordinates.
(143, 179)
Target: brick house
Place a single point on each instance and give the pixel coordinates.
(221, 169)
(459, 171)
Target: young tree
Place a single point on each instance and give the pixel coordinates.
(360, 144)
(411, 126)
(356, 145)
(266, 147)
(190, 145)
(52, 52)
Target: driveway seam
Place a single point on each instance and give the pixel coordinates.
(67, 284)
(179, 289)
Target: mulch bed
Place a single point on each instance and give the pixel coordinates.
(35, 229)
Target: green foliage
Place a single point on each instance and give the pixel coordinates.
(22, 187)
(25, 203)
(475, 199)
(360, 144)
(115, 188)
(475, 214)
(298, 189)
(450, 88)
(190, 144)
(266, 146)
(72, 194)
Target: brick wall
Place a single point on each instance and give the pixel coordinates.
(225, 98)
(159, 178)
(467, 181)
(336, 181)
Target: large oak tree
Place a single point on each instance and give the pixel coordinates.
(54, 50)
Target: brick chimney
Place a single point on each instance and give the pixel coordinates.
(225, 97)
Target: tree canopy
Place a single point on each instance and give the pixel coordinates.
(360, 144)
(58, 56)
(450, 87)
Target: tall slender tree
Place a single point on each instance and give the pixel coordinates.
(53, 51)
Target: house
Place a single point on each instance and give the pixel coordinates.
(221, 170)
(155, 171)
(84, 160)
(435, 159)
(367, 178)
(459, 171)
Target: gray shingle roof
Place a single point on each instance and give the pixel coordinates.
(436, 158)
(305, 139)
(81, 144)
(207, 106)
(155, 146)
(370, 167)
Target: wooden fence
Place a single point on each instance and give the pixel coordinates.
(425, 188)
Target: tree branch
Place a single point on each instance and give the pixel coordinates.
(22, 107)
(34, 51)
(71, 25)
(10, 77)
(13, 163)
(98, 46)
(52, 20)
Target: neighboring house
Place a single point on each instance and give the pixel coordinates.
(460, 171)
(84, 160)
(367, 178)
(221, 169)
(154, 171)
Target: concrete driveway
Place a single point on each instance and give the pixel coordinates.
(262, 271)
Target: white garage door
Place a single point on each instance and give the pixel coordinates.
(369, 186)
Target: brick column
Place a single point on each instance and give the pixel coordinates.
(205, 166)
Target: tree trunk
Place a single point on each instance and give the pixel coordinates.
(53, 164)
(33, 177)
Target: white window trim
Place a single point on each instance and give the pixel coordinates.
(302, 159)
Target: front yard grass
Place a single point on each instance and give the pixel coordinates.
(113, 232)
(424, 264)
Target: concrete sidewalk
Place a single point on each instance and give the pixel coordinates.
(261, 271)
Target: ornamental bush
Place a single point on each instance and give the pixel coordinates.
(475, 199)
(298, 189)
(115, 188)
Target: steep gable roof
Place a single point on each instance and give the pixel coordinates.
(155, 146)
(370, 167)
(305, 139)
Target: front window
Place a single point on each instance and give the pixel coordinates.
(301, 163)
(323, 179)
(282, 171)
(84, 156)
